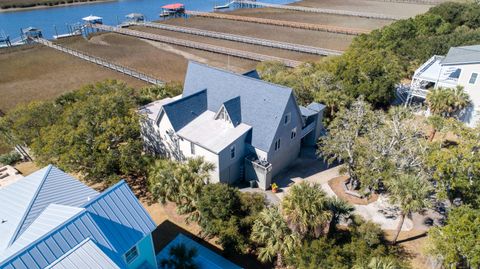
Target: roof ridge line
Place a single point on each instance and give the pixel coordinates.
(240, 75)
(185, 97)
(33, 243)
(102, 194)
(69, 252)
(29, 207)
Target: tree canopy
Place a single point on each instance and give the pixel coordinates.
(374, 63)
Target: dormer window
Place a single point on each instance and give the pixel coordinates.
(222, 114)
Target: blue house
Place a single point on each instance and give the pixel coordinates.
(248, 128)
(51, 220)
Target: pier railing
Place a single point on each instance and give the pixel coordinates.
(101, 62)
(320, 10)
(243, 39)
(291, 24)
(197, 45)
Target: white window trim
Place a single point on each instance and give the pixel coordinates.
(192, 148)
(471, 76)
(293, 134)
(136, 257)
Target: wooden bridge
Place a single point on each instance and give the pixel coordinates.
(291, 24)
(101, 62)
(243, 39)
(320, 10)
(197, 45)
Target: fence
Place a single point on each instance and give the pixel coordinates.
(243, 39)
(197, 45)
(320, 10)
(101, 62)
(291, 24)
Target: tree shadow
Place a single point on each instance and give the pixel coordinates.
(167, 231)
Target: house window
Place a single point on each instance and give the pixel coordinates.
(294, 133)
(232, 152)
(131, 254)
(277, 144)
(192, 148)
(286, 118)
(473, 78)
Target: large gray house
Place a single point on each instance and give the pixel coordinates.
(250, 129)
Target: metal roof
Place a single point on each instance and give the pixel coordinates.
(262, 103)
(114, 220)
(205, 259)
(307, 112)
(75, 259)
(462, 55)
(22, 202)
(173, 6)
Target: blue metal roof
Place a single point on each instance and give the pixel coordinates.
(316, 106)
(307, 112)
(262, 103)
(30, 196)
(205, 259)
(75, 259)
(184, 110)
(114, 220)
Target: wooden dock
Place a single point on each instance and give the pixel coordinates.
(320, 10)
(417, 2)
(243, 39)
(197, 45)
(99, 61)
(291, 24)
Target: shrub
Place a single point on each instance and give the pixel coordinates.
(10, 158)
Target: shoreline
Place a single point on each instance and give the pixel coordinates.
(19, 9)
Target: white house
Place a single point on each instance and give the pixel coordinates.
(248, 128)
(461, 66)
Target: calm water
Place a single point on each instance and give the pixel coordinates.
(112, 12)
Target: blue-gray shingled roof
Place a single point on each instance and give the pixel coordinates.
(462, 55)
(234, 110)
(186, 109)
(262, 103)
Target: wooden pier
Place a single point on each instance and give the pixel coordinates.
(417, 2)
(320, 10)
(291, 24)
(101, 62)
(243, 39)
(197, 45)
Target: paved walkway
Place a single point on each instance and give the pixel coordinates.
(310, 168)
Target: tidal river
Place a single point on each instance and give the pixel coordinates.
(54, 19)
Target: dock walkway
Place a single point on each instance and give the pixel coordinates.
(101, 62)
(242, 39)
(196, 45)
(320, 10)
(291, 24)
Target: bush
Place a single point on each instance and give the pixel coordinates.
(10, 158)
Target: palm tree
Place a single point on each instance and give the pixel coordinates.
(163, 183)
(271, 231)
(181, 257)
(306, 209)
(180, 183)
(447, 102)
(411, 193)
(380, 263)
(339, 209)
